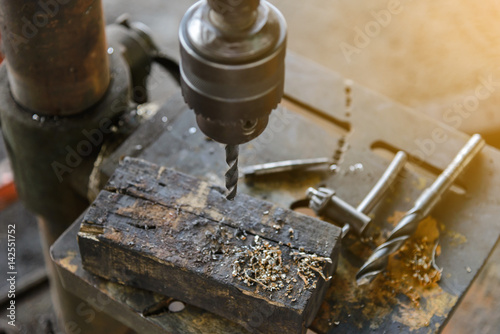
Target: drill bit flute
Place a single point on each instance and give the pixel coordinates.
(423, 206)
(232, 152)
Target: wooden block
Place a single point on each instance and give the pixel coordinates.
(167, 232)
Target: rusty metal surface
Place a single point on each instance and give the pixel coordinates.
(56, 54)
(54, 155)
(324, 110)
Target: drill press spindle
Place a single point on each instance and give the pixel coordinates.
(232, 70)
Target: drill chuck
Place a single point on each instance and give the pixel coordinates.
(232, 66)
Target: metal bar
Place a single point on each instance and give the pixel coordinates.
(283, 166)
(383, 184)
(433, 194)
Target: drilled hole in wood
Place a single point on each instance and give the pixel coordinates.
(415, 165)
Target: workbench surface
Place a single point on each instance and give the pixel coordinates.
(320, 108)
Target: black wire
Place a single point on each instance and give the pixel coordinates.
(170, 65)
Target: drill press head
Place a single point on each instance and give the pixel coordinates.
(232, 66)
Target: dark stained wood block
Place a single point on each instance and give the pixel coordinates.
(167, 232)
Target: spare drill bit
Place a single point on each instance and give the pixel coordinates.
(232, 152)
(423, 206)
(284, 166)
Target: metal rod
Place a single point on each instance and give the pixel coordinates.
(56, 54)
(383, 184)
(423, 206)
(284, 166)
(444, 181)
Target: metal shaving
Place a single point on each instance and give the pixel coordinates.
(309, 266)
(434, 264)
(421, 261)
(262, 264)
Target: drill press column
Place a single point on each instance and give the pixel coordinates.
(232, 67)
(55, 54)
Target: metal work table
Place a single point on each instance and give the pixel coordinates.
(320, 108)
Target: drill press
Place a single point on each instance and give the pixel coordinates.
(233, 70)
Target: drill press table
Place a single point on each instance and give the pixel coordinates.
(320, 108)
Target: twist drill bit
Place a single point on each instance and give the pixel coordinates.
(423, 206)
(232, 152)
